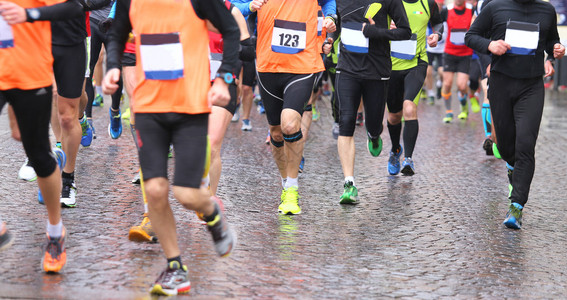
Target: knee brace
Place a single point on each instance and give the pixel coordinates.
(290, 138)
(276, 143)
(308, 108)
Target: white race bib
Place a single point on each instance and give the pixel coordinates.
(353, 39)
(162, 56)
(522, 37)
(289, 37)
(215, 62)
(405, 49)
(6, 35)
(458, 36)
(320, 20)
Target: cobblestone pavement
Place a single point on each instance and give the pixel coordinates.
(438, 234)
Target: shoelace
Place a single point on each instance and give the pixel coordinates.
(54, 248)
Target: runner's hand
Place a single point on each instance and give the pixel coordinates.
(110, 81)
(330, 25)
(498, 47)
(549, 70)
(255, 5)
(218, 94)
(327, 46)
(12, 13)
(558, 51)
(369, 21)
(432, 40)
(392, 25)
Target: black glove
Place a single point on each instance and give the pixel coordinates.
(247, 50)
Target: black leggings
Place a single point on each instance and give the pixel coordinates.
(334, 98)
(373, 92)
(33, 113)
(97, 39)
(516, 106)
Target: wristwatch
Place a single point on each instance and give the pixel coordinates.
(32, 14)
(226, 76)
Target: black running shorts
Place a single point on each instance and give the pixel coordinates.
(456, 64)
(405, 85)
(69, 66)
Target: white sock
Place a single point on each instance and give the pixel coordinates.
(98, 89)
(431, 93)
(55, 231)
(351, 179)
(283, 182)
(145, 208)
(289, 182)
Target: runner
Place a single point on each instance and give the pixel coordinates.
(364, 69)
(409, 68)
(25, 81)
(517, 41)
(457, 57)
(171, 106)
(435, 63)
(287, 59)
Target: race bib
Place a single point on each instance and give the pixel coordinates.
(522, 37)
(216, 62)
(404, 49)
(6, 35)
(320, 19)
(289, 37)
(458, 36)
(162, 56)
(353, 39)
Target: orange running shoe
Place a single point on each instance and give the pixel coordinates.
(143, 232)
(55, 255)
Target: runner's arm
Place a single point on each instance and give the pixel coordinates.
(402, 31)
(61, 11)
(475, 36)
(220, 17)
(243, 6)
(329, 7)
(89, 5)
(435, 19)
(118, 35)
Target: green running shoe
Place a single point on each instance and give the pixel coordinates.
(495, 151)
(289, 204)
(350, 195)
(448, 117)
(374, 146)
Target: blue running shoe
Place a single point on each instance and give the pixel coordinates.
(407, 167)
(261, 109)
(514, 216)
(98, 101)
(87, 133)
(90, 121)
(115, 126)
(394, 162)
(301, 164)
(61, 161)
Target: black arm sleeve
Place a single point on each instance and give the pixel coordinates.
(61, 11)
(247, 50)
(398, 14)
(89, 5)
(444, 14)
(118, 35)
(552, 38)
(220, 17)
(435, 19)
(475, 37)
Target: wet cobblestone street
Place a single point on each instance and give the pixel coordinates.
(438, 234)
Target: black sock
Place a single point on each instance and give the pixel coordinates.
(177, 259)
(410, 136)
(68, 175)
(212, 216)
(395, 131)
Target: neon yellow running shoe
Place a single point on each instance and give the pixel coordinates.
(126, 114)
(448, 117)
(289, 202)
(495, 151)
(464, 112)
(475, 107)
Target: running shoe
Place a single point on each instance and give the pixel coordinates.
(268, 138)
(87, 133)
(374, 146)
(359, 119)
(448, 118)
(98, 101)
(246, 126)
(289, 204)
(54, 253)
(487, 146)
(61, 161)
(136, 179)
(172, 281)
(514, 216)
(335, 130)
(143, 232)
(68, 193)
(261, 108)
(256, 99)
(126, 114)
(236, 115)
(223, 236)
(58, 145)
(115, 126)
(90, 121)
(350, 194)
(475, 107)
(464, 112)
(495, 151)
(6, 237)
(301, 164)
(170, 152)
(431, 100)
(407, 167)
(316, 115)
(394, 162)
(27, 172)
